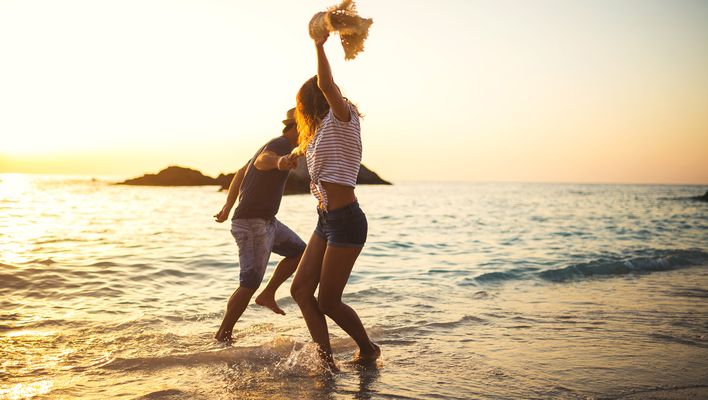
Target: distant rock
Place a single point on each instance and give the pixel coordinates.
(299, 179)
(224, 180)
(173, 176)
(369, 177)
(701, 198)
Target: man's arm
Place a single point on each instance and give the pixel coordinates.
(268, 160)
(234, 190)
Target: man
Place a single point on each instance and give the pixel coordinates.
(259, 187)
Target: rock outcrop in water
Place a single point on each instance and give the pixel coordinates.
(298, 181)
(173, 176)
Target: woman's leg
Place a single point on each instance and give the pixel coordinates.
(337, 265)
(307, 277)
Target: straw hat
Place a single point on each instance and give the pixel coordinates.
(289, 117)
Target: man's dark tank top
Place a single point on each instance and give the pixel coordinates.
(261, 191)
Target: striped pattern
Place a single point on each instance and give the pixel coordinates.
(334, 154)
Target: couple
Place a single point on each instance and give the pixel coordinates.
(324, 127)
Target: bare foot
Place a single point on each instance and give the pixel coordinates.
(367, 357)
(268, 301)
(223, 336)
(331, 367)
(328, 363)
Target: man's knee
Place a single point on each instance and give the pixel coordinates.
(295, 260)
(251, 275)
(246, 290)
(249, 283)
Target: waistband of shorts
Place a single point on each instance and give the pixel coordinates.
(252, 221)
(348, 209)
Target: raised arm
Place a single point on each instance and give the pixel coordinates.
(325, 81)
(231, 197)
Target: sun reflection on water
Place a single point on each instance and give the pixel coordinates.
(13, 185)
(14, 237)
(35, 218)
(26, 390)
(29, 333)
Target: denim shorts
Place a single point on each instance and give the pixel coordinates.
(256, 238)
(343, 227)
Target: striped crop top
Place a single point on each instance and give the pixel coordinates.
(334, 154)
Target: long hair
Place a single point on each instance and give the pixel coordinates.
(311, 107)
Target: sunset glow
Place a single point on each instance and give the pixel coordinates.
(473, 90)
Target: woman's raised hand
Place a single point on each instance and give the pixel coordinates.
(321, 40)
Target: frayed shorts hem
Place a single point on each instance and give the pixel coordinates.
(337, 244)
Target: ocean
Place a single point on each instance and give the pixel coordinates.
(472, 290)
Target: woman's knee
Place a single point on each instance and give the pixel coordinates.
(301, 294)
(328, 306)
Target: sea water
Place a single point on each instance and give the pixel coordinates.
(472, 290)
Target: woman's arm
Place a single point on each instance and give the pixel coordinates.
(325, 81)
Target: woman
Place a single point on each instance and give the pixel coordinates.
(329, 136)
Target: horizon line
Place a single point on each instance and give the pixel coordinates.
(491, 181)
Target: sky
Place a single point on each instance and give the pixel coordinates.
(525, 91)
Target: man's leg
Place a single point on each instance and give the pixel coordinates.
(236, 306)
(289, 245)
(282, 272)
(253, 237)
